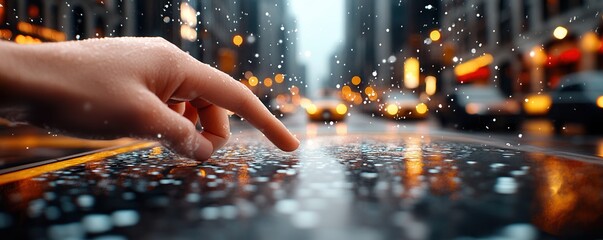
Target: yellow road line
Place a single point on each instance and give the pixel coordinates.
(35, 171)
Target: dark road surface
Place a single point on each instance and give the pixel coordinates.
(382, 180)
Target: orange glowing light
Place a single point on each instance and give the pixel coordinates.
(537, 104)
(279, 78)
(421, 108)
(411, 73)
(346, 90)
(311, 109)
(21, 39)
(357, 98)
(473, 65)
(435, 35)
(430, 85)
(356, 80)
(304, 103)
(391, 109)
(267, 82)
(294, 90)
(341, 109)
(600, 101)
(237, 40)
(32, 172)
(369, 91)
(590, 42)
(5, 34)
(253, 81)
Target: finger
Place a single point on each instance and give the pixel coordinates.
(190, 113)
(220, 89)
(174, 130)
(214, 119)
(178, 107)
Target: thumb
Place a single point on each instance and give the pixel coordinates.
(176, 132)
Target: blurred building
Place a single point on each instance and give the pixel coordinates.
(242, 38)
(520, 46)
(380, 36)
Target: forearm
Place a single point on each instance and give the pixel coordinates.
(17, 84)
(12, 73)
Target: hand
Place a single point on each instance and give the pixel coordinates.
(135, 87)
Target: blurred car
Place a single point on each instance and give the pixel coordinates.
(329, 109)
(479, 107)
(537, 105)
(402, 105)
(282, 105)
(578, 99)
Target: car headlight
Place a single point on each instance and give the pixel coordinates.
(341, 109)
(391, 109)
(311, 109)
(421, 108)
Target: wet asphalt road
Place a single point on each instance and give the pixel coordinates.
(366, 179)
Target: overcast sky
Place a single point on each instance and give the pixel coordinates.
(320, 30)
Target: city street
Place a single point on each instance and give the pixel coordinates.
(367, 178)
(416, 119)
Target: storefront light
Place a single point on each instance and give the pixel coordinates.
(590, 42)
(473, 65)
(538, 56)
(430, 85)
(237, 40)
(411, 73)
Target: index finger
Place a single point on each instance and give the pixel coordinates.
(212, 85)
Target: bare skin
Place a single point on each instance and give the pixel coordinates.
(130, 87)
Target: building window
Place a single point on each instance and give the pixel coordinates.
(505, 28)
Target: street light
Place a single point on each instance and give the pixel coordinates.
(590, 42)
(253, 81)
(356, 80)
(560, 32)
(237, 40)
(435, 35)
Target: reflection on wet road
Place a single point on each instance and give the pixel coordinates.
(335, 187)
